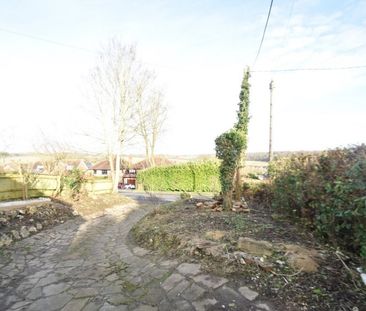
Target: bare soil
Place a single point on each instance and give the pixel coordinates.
(335, 286)
(92, 205)
(48, 214)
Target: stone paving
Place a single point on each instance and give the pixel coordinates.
(90, 264)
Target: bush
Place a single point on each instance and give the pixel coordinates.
(328, 190)
(258, 191)
(74, 181)
(229, 147)
(187, 177)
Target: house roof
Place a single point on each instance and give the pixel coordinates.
(104, 165)
(159, 161)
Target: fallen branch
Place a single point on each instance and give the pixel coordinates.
(347, 268)
(288, 275)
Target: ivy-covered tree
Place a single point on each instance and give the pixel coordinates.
(231, 147)
(243, 112)
(228, 149)
(242, 127)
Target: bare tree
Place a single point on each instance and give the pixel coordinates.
(115, 83)
(28, 178)
(54, 157)
(151, 113)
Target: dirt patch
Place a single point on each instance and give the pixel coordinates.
(20, 222)
(94, 205)
(183, 230)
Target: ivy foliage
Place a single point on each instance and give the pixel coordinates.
(74, 181)
(228, 149)
(231, 146)
(326, 191)
(243, 112)
(188, 177)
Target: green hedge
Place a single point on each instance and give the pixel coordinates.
(188, 177)
(327, 190)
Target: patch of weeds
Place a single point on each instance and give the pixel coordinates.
(118, 267)
(237, 222)
(28, 248)
(318, 292)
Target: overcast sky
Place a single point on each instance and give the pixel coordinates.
(198, 50)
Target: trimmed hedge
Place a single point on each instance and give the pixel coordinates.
(187, 177)
(327, 190)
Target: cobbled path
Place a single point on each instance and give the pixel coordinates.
(90, 264)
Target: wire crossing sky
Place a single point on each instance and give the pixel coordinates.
(315, 51)
(264, 33)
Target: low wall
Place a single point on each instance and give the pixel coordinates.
(12, 187)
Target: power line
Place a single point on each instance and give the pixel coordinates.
(21, 34)
(313, 69)
(264, 32)
(66, 45)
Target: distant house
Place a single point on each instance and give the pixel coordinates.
(38, 168)
(128, 171)
(159, 161)
(103, 168)
(81, 165)
(129, 177)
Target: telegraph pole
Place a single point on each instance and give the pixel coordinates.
(270, 152)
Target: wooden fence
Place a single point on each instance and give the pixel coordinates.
(13, 186)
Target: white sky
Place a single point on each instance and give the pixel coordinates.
(198, 50)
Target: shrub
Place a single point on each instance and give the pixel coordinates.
(328, 190)
(187, 177)
(258, 191)
(229, 146)
(74, 181)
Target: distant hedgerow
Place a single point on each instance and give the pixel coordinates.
(188, 177)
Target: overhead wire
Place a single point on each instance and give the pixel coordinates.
(313, 69)
(264, 33)
(21, 34)
(66, 45)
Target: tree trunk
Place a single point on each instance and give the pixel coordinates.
(227, 200)
(238, 176)
(238, 186)
(111, 164)
(117, 173)
(152, 152)
(147, 152)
